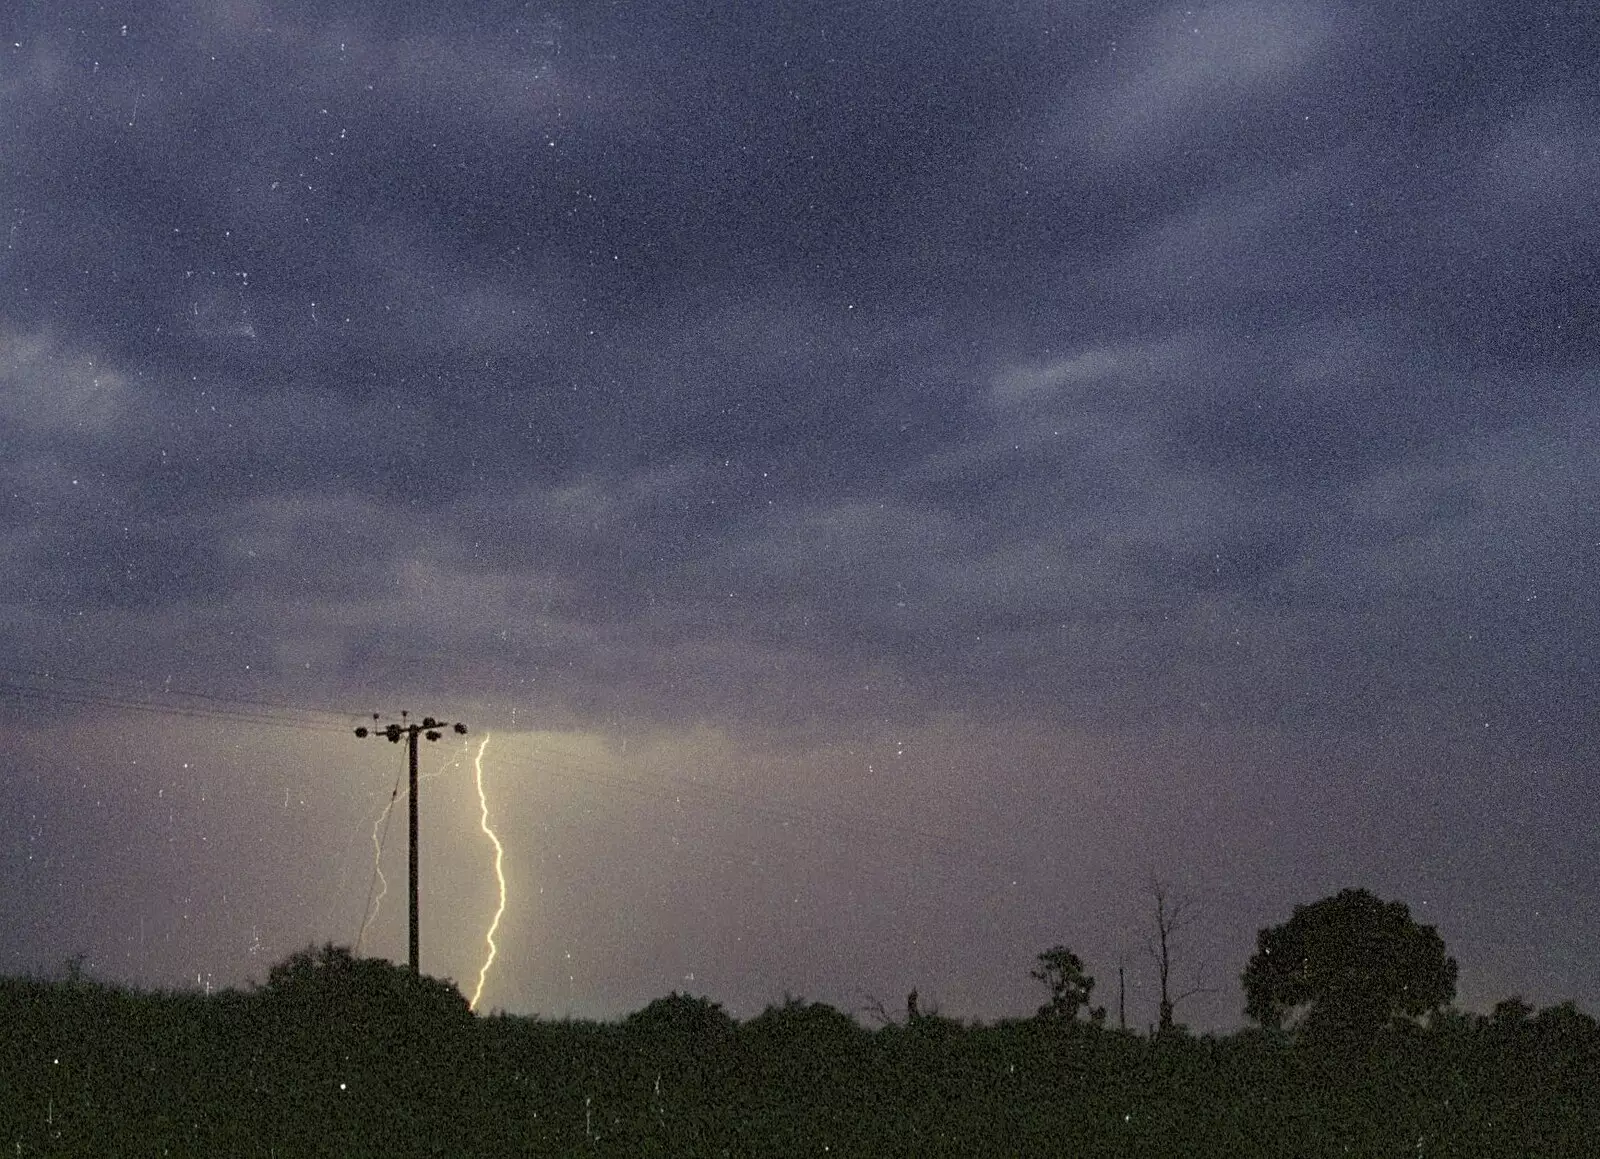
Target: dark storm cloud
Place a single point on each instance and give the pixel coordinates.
(1028, 358)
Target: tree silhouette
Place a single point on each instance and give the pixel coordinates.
(1062, 971)
(1352, 964)
(797, 1018)
(683, 1016)
(332, 982)
(1173, 915)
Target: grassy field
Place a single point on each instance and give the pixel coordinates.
(379, 1064)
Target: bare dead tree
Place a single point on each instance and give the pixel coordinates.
(877, 1010)
(1173, 915)
(873, 1007)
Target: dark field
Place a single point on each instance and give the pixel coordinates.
(365, 1060)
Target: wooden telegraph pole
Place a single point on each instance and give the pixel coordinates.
(410, 730)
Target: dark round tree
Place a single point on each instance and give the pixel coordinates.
(683, 1016)
(1070, 986)
(332, 983)
(1346, 966)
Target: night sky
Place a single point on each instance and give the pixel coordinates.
(887, 479)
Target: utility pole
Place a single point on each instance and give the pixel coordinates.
(393, 731)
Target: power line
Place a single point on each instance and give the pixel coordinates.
(255, 703)
(154, 708)
(85, 692)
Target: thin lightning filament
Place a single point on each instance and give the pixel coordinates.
(380, 830)
(499, 874)
(380, 833)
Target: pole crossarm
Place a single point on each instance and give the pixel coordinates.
(409, 730)
(394, 731)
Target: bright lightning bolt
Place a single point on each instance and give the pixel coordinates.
(499, 874)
